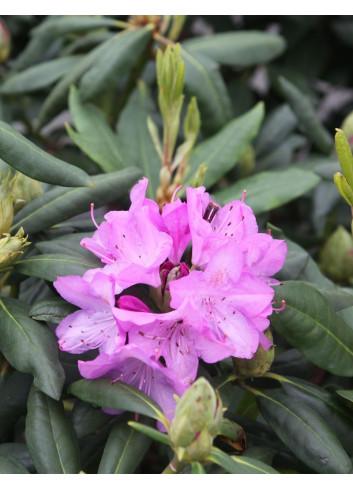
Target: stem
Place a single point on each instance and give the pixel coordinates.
(174, 466)
(134, 75)
(271, 375)
(163, 40)
(250, 389)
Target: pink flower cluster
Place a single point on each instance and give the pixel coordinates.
(212, 305)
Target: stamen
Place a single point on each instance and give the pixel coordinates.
(269, 231)
(92, 215)
(175, 192)
(244, 195)
(280, 308)
(211, 211)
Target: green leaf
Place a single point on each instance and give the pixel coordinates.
(88, 419)
(323, 403)
(50, 436)
(275, 129)
(298, 264)
(51, 266)
(115, 61)
(95, 136)
(269, 190)
(19, 452)
(134, 136)
(305, 433)
(52, 309)
(39, 76)
(10, 465)
(151, 432)
(346, 394)
(197, 468)
(57, 99)
(238, 465)
(30, 347)
(60, 204)
(13, 399)
(222, 151)
(27, 158)
(307, 117)
(310, 324)
(204, 81)
(117, 395)
(124, 450)
(57, 26)
(246, 48)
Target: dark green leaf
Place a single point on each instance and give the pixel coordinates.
(239, 465)
(136, 140)
(27, 158)
(10, 465)
(87, 419)
(269, 190)
(305, 433)
(197, 468)
(114, 62)
(13, 400)
(306, 115)
(30, 347)
(39, 76)
(19, 452)
(325, 404)
(222, 151)
(57, 99)
(346, 394)
(60, 204)
(276, 127)
(151, 432)
(299, 264)
(56, 26)
(95, 136)
(204, 81)
(124, 450)
(102, 392)
(51, 266)
(50, 436)
(309, 323)
(244, 48)
(52, 309)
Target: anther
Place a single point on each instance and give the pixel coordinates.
(211, 211)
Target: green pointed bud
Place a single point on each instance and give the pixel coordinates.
(336, 256)
(25, 190)
(199, 176)
(344, 155)
(344, 188)
(170, 79)
(153, 130)
(5, 42)
(198, 419)
(347, 128)
(11, 248)
(6, 201)
(258, 364)
(178, 22)
(192, 121)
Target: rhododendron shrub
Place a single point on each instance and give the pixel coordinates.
(176, 250)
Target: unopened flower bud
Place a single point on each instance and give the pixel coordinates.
(258, 364)
(347, 128)
(25, 190)
(5, 42)
(6, 202)
(197, 420)
(11, 248)
(336, 257)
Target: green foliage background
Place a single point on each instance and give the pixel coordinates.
(75, 95)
